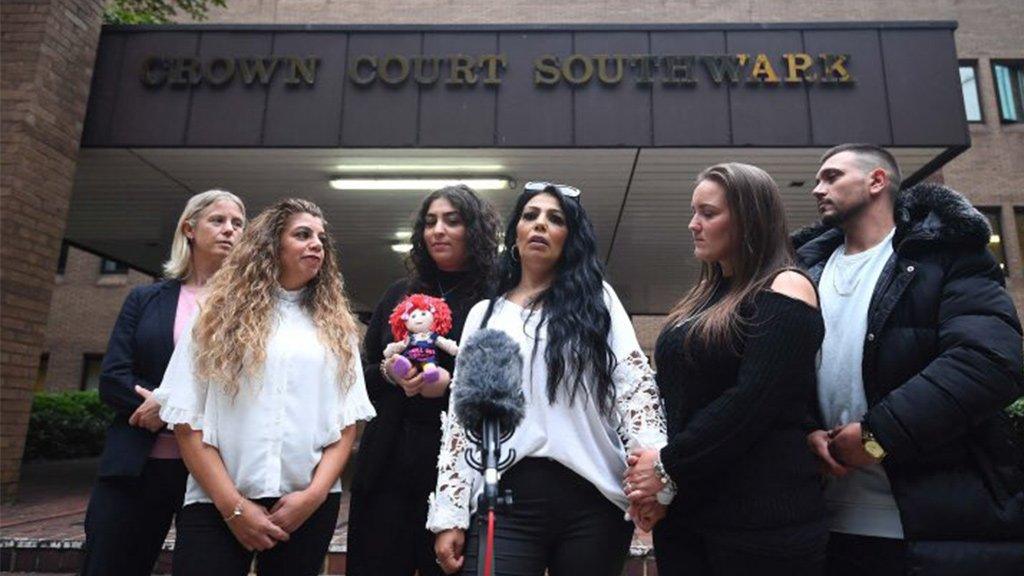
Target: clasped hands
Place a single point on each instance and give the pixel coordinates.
(257, 528)
(839, 450)
(641, 483)
(413, 384)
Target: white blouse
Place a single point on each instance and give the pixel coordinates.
(272, 433)
(576, 435)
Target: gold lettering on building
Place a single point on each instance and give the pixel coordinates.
(577, 70)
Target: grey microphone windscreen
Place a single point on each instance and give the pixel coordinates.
(488, 382)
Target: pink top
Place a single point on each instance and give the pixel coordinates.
(188, 299)
(166, 446)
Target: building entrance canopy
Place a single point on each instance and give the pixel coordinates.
(628, 113)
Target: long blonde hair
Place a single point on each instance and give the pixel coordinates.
(179, 265)
(762, 250)
(235, 320)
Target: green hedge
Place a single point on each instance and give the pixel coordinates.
(67, 425)
(1016, 412)
(74, 424)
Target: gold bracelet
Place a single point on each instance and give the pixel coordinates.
(236, 511)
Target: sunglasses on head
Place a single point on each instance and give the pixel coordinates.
(567, 191)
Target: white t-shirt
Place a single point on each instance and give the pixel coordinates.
(575, 435)
(862, 502)
(272, 433)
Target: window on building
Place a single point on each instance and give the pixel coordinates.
(62, 260)
(969, 86)
(108, 266)
(91, 364)
(44, 364)
(995, 243)
(1018, 216)
(1009, 81)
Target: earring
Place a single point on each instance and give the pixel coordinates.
(515, 253)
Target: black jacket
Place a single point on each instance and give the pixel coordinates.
(380, 446)
(942, 358)
(138, 352)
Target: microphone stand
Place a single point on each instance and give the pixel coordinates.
(491, 499)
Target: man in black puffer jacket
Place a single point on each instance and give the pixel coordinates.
(922, 353)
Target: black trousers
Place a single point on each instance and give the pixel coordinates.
(852, 555)
(206, 547)
(558, 522)
(128, 518)
(682, 552)
(386, 525)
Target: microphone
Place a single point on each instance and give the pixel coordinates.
(490, 381)
(488, 401)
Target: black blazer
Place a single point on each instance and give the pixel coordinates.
(140, 348)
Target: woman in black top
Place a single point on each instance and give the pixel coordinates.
(736, 370)
(455, 245)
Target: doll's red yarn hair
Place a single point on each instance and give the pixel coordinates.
(436, 306)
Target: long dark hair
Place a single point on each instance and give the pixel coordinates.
(573, 307)
(762, 250)
(481, 222)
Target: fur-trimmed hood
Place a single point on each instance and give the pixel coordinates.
(926, 212)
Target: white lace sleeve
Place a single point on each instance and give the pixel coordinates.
(449, 504)
(640, 412)
(641, 419)
(638, 404)
(641, 416)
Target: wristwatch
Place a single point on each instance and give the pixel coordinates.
(870, 443)
(668, 485)
(659, 469)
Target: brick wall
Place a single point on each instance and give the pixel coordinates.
(989, 174)
(48, 48)
(83, 310)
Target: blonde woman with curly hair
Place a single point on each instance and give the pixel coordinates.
(264, 395)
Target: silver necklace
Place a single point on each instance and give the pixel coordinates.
(445, 293)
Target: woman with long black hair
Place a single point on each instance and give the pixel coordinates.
(454, 249)
(736, 369)
(589, 395)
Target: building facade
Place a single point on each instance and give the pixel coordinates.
(87, 297)
(988, 35)
(988, 46)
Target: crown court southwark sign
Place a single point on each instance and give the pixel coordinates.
(488, 69)
(523, 86)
